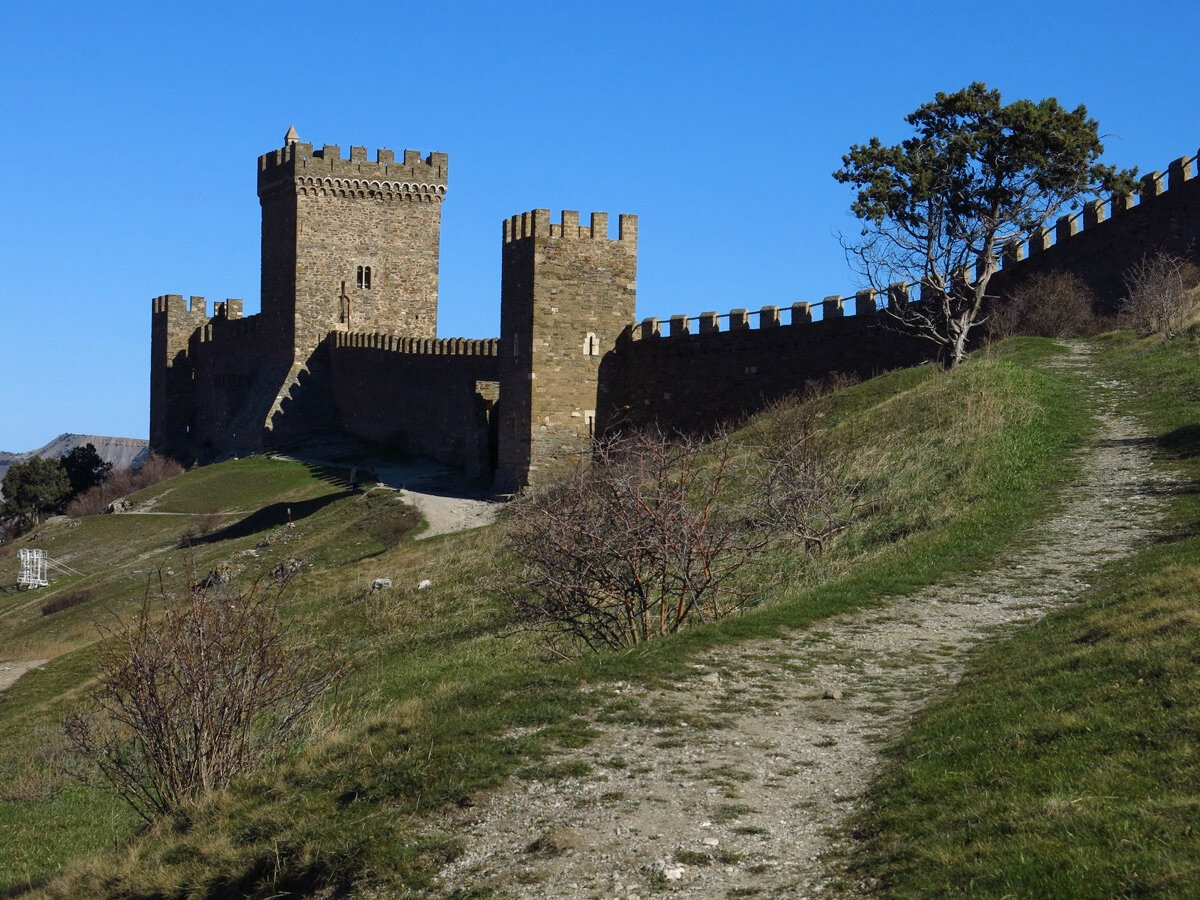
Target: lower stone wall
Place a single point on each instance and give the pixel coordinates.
(418, 404)
(693, 382)
(235, 383)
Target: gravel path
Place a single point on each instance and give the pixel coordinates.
(743, 779)
(446, 504)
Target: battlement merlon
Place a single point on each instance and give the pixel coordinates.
(537, 224)
(300, 160)
(194, 309)
(176, 307)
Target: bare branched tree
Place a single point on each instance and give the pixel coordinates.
(941, 207)
(1157, 298)
(199, 688)
(633, 546)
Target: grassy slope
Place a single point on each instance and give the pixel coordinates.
(1067, 763)
(957, 464)
(44, 817)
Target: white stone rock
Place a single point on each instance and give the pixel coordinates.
(660, 868)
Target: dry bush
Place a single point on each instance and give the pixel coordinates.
(203, 524)
(1048, 304)
(67, 600)
(121, 483)
(800, 483)
(389, 520)
(155, 468)
(1157, 293)
(830, 383)
(201, 687)
(632, 547)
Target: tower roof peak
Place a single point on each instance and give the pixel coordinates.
(291, 137)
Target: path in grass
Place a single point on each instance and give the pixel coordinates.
(12, 670)
(740, 782)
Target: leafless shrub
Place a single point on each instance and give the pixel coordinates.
(122, 482)
(202, 686)
(633, 547)
(800, 482)
(1157, 298)
(390, 521)
(831, 382)
(67, 600)
(203, 524)
(1048, 304)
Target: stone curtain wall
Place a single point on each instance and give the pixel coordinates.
(721, 369)
(418, 396)
(1101, 242)
(567, 293)
(691, 374)
(235, 384)
(568, 362)
(324, 217)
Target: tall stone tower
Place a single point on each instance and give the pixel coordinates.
(348, 244)
(567, 292)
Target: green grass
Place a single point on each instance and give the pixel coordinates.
(444, 700)
(1067, 761)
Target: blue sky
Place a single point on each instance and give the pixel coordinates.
(133, 129)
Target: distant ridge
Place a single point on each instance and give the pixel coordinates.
(119, 451)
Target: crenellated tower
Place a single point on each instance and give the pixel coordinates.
(567, 293)
(348, 244)
(175, 326)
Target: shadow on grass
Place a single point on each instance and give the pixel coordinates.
(276, 515)
(1182, 443)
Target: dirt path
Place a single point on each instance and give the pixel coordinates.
(746, 783)
(439, 495)
(11, 671)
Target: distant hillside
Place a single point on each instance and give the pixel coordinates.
(121, 452)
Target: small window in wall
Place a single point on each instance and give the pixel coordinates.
(589, 419)
(591, 344)
(364, 277)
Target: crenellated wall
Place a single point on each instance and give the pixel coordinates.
(1107, 236)
(420, 397)
(712, 368)
(692, 373)
(234, 383)
(329, 354)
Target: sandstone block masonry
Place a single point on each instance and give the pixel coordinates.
(347, 338)
(567, 294)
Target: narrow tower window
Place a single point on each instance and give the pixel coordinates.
(591, 345)
(364, 277)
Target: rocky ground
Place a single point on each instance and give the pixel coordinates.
(739, 782)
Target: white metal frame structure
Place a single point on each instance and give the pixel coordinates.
(33, 569)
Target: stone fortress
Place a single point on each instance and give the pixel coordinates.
(346, 342)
